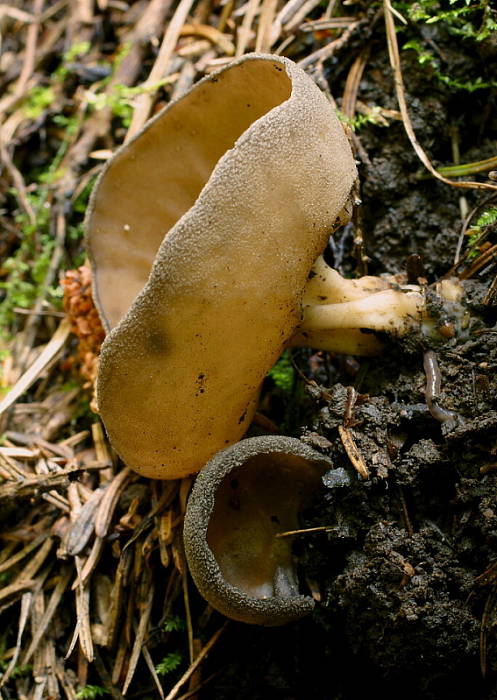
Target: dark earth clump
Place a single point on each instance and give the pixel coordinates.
(401, 569)
(404, 571)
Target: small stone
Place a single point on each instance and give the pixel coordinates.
(336, 478)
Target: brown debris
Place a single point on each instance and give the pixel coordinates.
(85, 322)
(355, 456)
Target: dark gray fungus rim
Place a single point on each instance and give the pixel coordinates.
(296, 476)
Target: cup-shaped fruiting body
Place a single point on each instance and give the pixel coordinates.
(202, 232)
(242, 499)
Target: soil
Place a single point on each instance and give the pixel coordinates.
(400, 573)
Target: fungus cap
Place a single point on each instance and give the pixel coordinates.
(202, 233)
(244, 497)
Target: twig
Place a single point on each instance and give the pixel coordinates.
(29, 58)
(37, 485)
(18, 182)
(165, 501)
(31, 327)
(55, 344)
(140, 637)
(321, 24)
(480, 262)
(15, 590)
(98, 123)
(405, 512)
(491, 291)
(244, 31)
(461, 169)
(352, 83)
(82, 528)
(299, 15)
(26, 601)
(490, 604)
(109, 501)
(263, 38)
(349, 407)
(83, 628)
(19, 556)
(16, 13)
(32, 37)
(30, 571)
(305, 531)
(393, 51)
(212, 34)
(55, 599)
(193, 667)
(188, 613)
(326, 52)
(153, 672)
(465, 227)
(144, 101)
(92, 561)
(11, 124)
(194, 691)
(353, 453)
(106, 678)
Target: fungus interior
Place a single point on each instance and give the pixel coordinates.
(255, 501)
(157, 177)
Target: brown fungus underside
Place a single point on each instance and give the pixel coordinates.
(232, 192)
(204, 234)
(244, 497)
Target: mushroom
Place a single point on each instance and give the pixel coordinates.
(242, 499)
(202, 233)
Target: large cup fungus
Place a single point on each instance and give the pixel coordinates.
(202, 232)
(242, 499)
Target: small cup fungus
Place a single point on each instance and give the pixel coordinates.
(242, 499)
(202, 232)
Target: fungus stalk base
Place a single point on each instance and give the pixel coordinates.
(342, 316)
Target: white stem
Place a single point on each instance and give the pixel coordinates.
(391, 311)
(327, 286)
(342, 316)
(342, 341)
